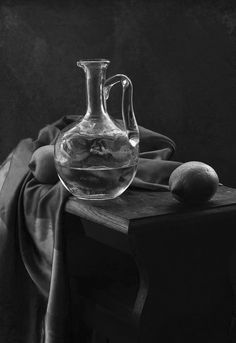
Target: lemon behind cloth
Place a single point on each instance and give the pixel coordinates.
(42, 165)
(193, 182)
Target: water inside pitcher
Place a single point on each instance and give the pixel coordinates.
(96, 157)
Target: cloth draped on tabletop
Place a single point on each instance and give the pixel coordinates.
(34, 294)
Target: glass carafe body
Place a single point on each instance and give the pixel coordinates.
(96, 157)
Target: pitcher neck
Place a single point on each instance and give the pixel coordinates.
(95, 71)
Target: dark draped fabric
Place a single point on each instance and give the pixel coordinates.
(34, 295)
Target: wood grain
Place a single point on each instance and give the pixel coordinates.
(136, 204)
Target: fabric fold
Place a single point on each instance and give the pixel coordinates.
(34, 293)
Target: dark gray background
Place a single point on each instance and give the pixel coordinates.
(180, 55)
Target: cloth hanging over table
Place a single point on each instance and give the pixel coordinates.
(34, 294)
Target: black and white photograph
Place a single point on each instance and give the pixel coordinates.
(118, 171)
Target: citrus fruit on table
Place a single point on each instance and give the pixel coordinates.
(42, 165)
(193, 182)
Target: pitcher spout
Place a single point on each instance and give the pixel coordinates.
(96, 62)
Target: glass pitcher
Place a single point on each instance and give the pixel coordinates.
(96, 157)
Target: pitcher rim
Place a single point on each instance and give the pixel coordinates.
(93, 60)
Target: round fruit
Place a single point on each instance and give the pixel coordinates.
(42, 165)
(193, 182)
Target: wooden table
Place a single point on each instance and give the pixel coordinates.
(145, 268)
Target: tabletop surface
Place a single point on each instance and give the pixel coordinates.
(135, 204)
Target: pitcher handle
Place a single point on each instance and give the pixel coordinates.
(128, 115)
